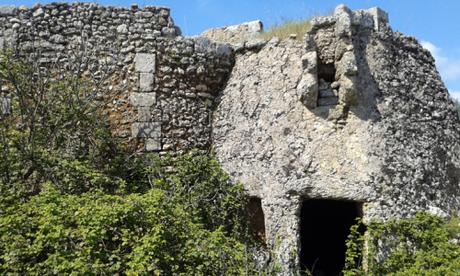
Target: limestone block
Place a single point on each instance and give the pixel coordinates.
(307, 89)
(142, 99)
(143, 114)
(310, 62)
(347, 65)
(343, 21)
(348, 93)
(153, 144)
(2, 41)
(370, 18)
(146, 81)
(145, 62)
(146, 130)
(378, 15)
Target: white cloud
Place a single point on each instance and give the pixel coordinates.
(448, 68)
(430, 47)
(455, 95)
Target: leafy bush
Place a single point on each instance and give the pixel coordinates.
(423, 245)
(96, 233)
(287, 28)
(73, 201)
(55, 132)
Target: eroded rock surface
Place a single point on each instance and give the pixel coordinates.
(354, 112)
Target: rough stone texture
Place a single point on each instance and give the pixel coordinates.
(146, 130)
(142, 99)
(147, 72)
(235, 34)
(146, 81)
(354, 112)
(145, 63)
(380, 129)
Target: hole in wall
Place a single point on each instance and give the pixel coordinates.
(326, 71)
(324, 228)
(256, 219)
(327, 89)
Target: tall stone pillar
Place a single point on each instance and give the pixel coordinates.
(282, 231)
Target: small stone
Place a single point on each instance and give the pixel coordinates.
(38, 12)
(122, 29)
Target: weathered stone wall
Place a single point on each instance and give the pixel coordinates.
(159, 87)
(355, 112)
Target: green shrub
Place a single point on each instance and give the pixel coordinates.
(287, 28)
(72, 201)
(191, 222)
(96, 233)
(423, 245)
(55, 132)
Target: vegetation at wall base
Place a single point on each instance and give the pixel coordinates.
(422, 245)
(74, 200)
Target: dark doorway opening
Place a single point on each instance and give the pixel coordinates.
(256, 219)
(324, 227)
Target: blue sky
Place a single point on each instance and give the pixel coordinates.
(435, 24)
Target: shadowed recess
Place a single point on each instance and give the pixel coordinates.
(325, 225)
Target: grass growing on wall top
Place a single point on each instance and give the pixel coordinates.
(288, 27)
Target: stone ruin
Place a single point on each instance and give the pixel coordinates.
(350, 121)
